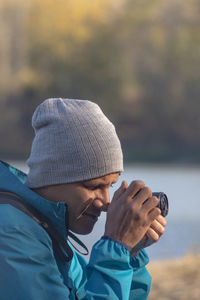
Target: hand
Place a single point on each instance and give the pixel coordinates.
(156, 230)
(131, 213)
(153, 234)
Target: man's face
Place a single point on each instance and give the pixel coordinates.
(85, 200)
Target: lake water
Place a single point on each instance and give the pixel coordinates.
(182, 186)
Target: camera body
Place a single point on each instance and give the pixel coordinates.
(163, 203)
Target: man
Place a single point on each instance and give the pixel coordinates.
(76, 156)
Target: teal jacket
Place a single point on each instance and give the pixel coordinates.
(30, 270)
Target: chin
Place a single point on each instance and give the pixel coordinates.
(83, 230)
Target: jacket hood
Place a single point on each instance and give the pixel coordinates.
(12, 180)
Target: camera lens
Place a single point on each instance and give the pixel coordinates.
(163, 203)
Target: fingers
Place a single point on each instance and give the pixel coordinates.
(135, 199)
(159, 228)
(152, 235)
(118, 193)
(134, 189)
(156, 230)
(161, 220)
(133, 213)
(147, 204)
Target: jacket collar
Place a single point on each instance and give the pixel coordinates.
(12, 180)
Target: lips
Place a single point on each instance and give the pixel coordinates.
(93, 216)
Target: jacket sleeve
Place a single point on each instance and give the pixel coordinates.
(27, 267)
(111, 274)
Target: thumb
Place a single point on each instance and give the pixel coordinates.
(123, 187)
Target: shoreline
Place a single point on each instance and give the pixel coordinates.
(175, 279)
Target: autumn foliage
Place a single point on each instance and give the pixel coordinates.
(138, 59)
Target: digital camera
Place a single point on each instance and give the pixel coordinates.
(163, 203)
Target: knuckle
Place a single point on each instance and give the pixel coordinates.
(147, 191)
(162, 220)
(158, 211)
(155, 200)
(155, 212)
(129, 207)
(162, 230)
(137, 184)
(136, 214)
(127, 200)
(132, 209)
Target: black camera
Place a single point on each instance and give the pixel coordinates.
(163, 203)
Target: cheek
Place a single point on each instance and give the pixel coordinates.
(78, 202)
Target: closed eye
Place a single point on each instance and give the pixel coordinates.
(97, 187)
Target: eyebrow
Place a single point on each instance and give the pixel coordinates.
(95, 181)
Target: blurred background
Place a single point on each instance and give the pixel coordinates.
(140, 61)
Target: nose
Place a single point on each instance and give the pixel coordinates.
(102, 200)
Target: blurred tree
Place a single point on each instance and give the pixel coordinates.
(13, 45)
(161, 63)
(138, 59)
(13, 60)
(71, 48)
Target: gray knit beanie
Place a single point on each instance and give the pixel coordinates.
(74, 141)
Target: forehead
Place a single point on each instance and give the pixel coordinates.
(110, 178)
